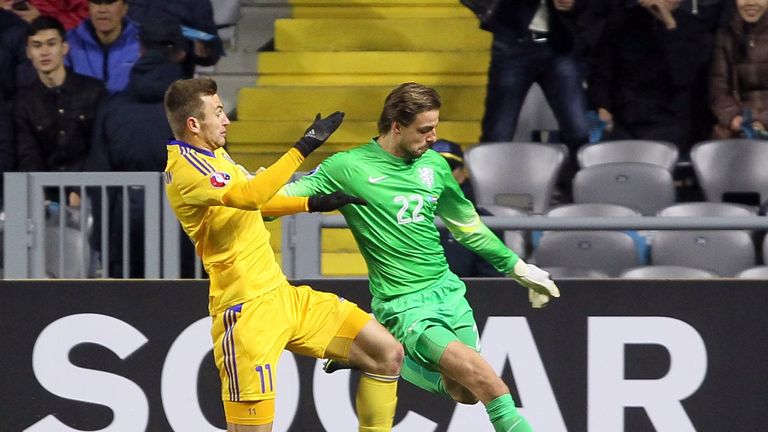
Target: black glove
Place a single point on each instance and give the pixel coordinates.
(334, 201)
(318, 132)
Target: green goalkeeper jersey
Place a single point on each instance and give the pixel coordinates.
(395, 232)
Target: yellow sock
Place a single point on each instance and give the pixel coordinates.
(376, 401)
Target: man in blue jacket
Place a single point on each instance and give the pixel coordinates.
(106, 45)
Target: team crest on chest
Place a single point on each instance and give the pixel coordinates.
(427, 176)
(220, 179)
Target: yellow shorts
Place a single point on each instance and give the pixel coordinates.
(249, 339)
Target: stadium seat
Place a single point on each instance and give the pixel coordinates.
(609, 252)
(722, 252)
(732, 170)
(77, 253)
(515, 174)
(644, 187)
(659, 153)
(514, 239)
(557, 273)
(600, 210)
(757, 272)
(666, 272)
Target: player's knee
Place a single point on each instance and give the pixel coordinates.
(464, 396)
(389, 358)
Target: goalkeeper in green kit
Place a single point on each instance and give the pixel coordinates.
(415, 296)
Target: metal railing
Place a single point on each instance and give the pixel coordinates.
(301, 232)
(27, 236)
(32, 230)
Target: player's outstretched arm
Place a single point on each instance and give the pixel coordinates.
(318, 132)
(260, 189)
(541, 288)
(332, 201)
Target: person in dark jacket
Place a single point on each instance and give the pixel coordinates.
(645, 81)
(16, 72)
(131, 133)
(194, 14)
(739, 79)
(533, 42)
(461, 260)
(53, 118)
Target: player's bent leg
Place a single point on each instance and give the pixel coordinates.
(376, 351)
(251, 416)
(458, 392)
(468, 368)
(379, 356)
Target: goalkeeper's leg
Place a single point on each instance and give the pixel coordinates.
(466, 376)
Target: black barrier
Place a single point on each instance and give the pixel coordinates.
(610, 355)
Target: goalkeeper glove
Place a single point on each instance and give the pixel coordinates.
(540, 287)
(334, 201)
(318, 132)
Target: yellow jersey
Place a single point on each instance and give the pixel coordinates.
(220, 206)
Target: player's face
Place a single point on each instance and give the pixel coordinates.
(751, 10)
(213, 128)
(46, 50)
(415, 139)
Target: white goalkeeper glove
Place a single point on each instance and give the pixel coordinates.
(541, 288)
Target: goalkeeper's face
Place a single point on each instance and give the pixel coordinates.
(415, 139)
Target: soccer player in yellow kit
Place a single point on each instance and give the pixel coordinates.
(256, 312)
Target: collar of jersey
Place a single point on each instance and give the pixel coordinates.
(389, 156)
(191, 147)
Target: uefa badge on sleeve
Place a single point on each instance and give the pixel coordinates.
(219, 179)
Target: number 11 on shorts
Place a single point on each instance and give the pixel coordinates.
(265, 369)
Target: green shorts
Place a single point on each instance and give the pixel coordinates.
(426, 321)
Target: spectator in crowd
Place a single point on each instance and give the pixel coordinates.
(645, 71)
(53, 118)
(16, 71)
(69, 12)
(131, 133)
(739, 79)
(533, 42)
(106, 45)
(462, 261)
(204, 48)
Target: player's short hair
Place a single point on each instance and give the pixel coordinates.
(45, 22)
(405, 102)
(183, 100)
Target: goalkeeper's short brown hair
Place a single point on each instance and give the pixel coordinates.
(405, 102)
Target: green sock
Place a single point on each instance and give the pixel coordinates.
(504, 416)
(422, 377)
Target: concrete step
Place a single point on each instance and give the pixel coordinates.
(375, 62)
(463, 103)
(374, 34)
(334, 80)
(451, 10)
(351, 133)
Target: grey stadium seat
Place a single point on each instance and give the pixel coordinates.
(666, 272)
(514, 239)
(515, 174)
(609, 252)
(644, 187)
(659, 153)
(734, 166)
(575, 273)
(757, 272)
(722, 252)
